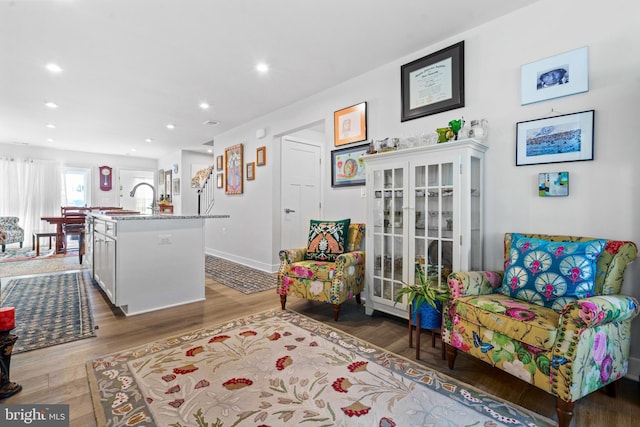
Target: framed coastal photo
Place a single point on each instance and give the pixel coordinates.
(251, 171)
(350, 124)
(560, 75)
(553, 184)
(434, 83)
(347, 166)
(233, 169)
(261, 156)
(564, 138)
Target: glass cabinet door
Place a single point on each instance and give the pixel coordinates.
(389, 223)
(433, 194)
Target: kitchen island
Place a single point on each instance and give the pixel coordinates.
(147, 262)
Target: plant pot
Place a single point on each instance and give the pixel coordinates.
(430, 318)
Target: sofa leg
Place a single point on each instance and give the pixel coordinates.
(452, 352)
(358, 299)
(564, 411)
(336, 311)
(283, 301)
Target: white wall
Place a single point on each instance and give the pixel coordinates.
(603, 192)
(86, 160)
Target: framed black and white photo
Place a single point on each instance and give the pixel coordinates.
(564, 138)
(561, 75)
(434, 83)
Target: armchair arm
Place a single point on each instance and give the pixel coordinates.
(464, 283)
(349, 259)
(599, 310)
(289, 256)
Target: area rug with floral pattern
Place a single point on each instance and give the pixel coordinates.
(281, 368)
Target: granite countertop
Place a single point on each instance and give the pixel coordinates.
(138, 217)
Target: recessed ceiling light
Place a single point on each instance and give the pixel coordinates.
(51, 104)
(51, 125)
(149, 140)
(54, 68)
(262, 67)
(171, 126)
(210, 122)
(209, 150)
(204, 105)
(50, 140)
(133, 150)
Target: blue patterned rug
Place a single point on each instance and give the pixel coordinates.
(50, 309)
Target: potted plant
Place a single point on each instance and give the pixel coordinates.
(426, 291)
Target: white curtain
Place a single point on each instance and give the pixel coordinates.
(30, 189)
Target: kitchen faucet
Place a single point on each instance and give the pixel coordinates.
(155, 209)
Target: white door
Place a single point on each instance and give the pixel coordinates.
(300, 191)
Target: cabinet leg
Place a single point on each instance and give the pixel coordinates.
(418, 330)
(452, 352)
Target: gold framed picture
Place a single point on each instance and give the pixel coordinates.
(261, 156)
(251, 171)
(233, 165)
(350, 124)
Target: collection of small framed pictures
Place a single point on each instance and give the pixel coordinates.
(232, 166)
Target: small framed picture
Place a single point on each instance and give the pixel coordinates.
(261, 156)
(553, 184)
(251, 171)
(176, 186)
(556, 76)
(350, 124)
(347, 166)
(219, 163)
(219, 180)
(564, 138)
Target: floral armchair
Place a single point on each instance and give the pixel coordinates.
(330, 282)
(570, 348)
(10, 232)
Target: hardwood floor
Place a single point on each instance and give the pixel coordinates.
(57, 374)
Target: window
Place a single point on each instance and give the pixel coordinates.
(76, 187)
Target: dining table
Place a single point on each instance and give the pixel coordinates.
(59, 221)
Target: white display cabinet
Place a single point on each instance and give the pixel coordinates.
(424, 210)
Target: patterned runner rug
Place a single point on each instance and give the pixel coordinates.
(281, 368)
(237, 276)
(50, 309)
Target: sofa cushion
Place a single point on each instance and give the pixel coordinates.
(326, 239)
(551, 274)
(529, 323)
(314, 270)
(355, 236)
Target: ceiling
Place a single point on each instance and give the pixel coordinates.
(130, 67)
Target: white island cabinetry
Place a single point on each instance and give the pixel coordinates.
(146, 263)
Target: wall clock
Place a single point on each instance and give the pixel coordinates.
(105, 178)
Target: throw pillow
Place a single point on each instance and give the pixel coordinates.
(326, 239)
(551, 274)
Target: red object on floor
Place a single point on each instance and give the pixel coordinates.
(7, 318)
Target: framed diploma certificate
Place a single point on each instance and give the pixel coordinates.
(434, 83)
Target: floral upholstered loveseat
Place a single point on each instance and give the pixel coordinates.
(10, 231)
(331, 282)
(574, 345)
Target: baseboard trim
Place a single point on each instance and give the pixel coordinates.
(267, 268)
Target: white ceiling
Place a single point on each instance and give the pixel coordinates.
(133, 66)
